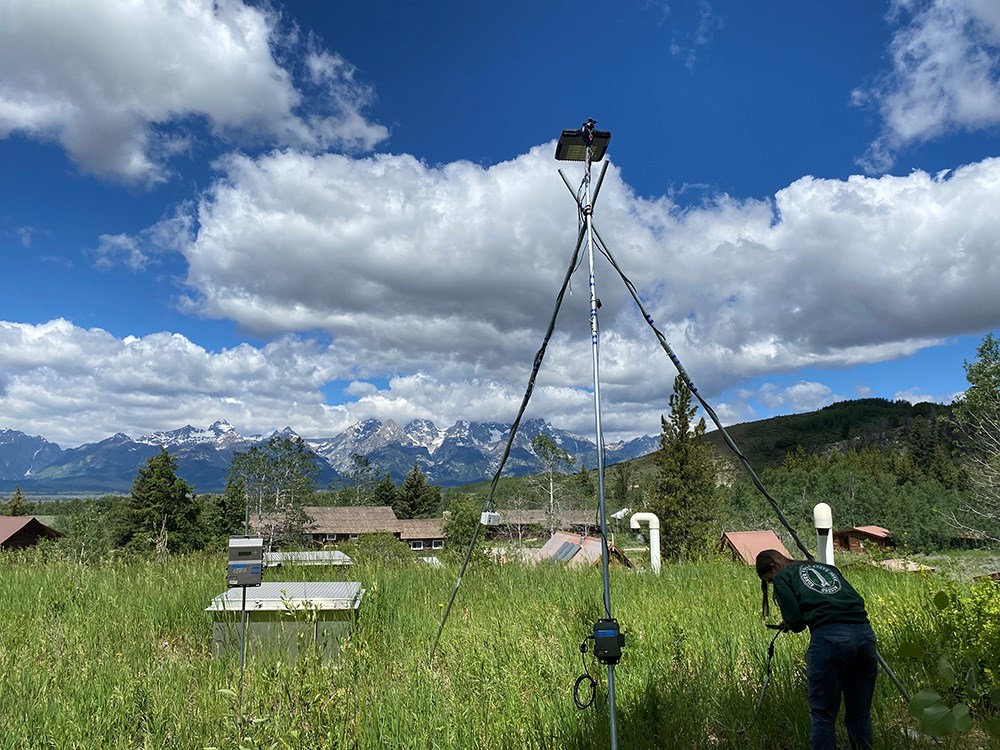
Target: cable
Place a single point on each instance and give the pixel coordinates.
(584, 678)
(535, 367)
(729, 441)
(767, 670)
(605, 250)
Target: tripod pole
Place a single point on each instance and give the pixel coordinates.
(595, 348)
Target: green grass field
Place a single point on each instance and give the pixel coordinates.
(117, 655)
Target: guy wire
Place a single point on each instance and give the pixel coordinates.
(694, 390)
(536, 365)
(729, 441)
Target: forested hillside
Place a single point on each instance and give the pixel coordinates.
(875, 461)
(863, 423)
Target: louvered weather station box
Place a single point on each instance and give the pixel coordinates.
(286, 616)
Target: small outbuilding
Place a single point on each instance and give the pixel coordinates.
(746, 545)
(310, 557)
(858, 538)
(574, 549)
(17, 532)
(284, 616)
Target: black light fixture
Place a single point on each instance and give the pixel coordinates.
(572, 145)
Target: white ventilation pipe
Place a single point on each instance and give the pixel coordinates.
(654, 536)
(823, 520)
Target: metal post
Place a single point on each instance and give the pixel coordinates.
(244, 616)
(595, 348)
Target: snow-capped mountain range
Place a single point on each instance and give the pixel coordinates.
(462, 453)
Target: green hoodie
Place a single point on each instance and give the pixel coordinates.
(812, 594)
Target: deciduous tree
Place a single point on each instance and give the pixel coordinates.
(554, 459)
(271, 483)
(979, 415)
(460, 525)
(363, 479)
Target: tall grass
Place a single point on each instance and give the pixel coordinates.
(116, 654)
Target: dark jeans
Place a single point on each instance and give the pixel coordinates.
(841, 661)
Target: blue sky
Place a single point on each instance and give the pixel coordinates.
(306, 215)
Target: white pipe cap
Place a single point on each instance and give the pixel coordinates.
(823, 516)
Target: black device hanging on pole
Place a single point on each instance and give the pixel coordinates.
(608, 641)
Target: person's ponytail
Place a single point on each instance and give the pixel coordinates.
(766, 560)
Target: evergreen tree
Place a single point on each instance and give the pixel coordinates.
(921, 442)
(800, 459)
(161, 512)
(17, 505)
(684, 488)
(622, 476)
(385, 492)
(417, 498)
(585, 481)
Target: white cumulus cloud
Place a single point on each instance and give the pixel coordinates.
(945, 74)
(116, 84)
(455, 268)
(437, 283)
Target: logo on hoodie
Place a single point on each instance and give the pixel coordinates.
(821, 579)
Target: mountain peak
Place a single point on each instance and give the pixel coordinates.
(220, 426)
(467, 451)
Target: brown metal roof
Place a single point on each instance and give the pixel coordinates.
(749, 544)
(26, 529)
(372, 519)
(582, 550)
(353, 519)
(421, 528)
(872, 532)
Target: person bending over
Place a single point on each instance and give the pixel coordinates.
(841, 660)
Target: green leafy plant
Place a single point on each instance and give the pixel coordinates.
(965, 678)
